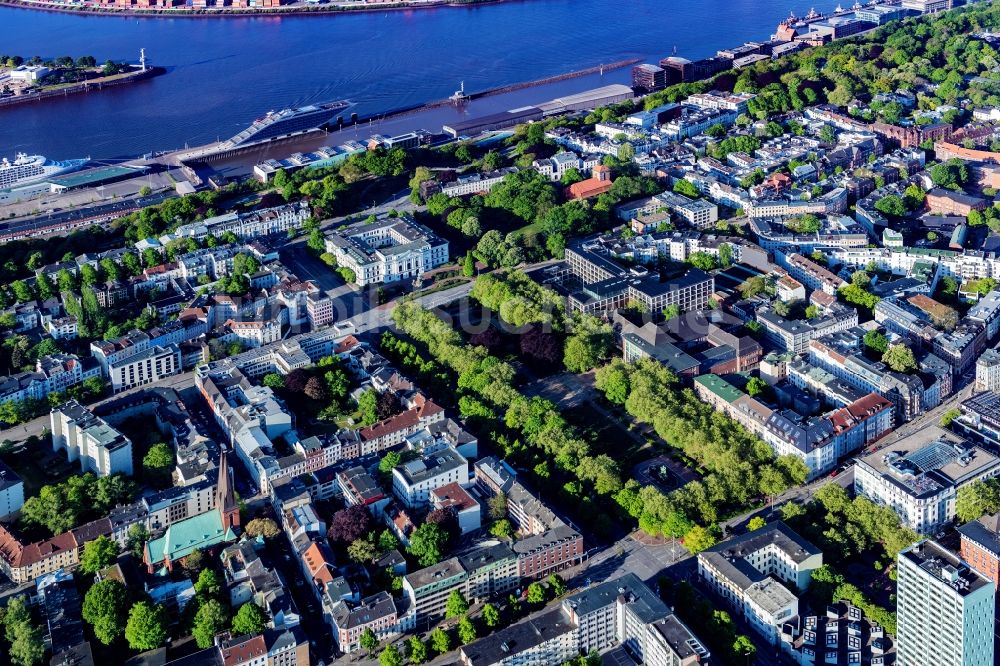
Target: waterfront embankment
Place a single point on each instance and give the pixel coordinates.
(92, 85)
(299, 8)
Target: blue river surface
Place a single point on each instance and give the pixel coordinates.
(224, 72)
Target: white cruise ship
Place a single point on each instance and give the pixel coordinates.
(28, 169)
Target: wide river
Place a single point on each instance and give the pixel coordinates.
(224, 72)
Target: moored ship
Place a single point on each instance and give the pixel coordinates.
(28, 169)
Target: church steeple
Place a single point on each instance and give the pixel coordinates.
(225, 499)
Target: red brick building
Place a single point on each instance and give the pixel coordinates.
(594, 186)
(947, 202)
(546, 553)
(981, 546)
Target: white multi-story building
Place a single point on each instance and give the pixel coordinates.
(479, 574)
(714, 99)
(795, 335)
(11, 492)
(100, 448)
(476, 183)
(277, 220)
(834, 201)
(927, 6)
(697, 212)
(412, 482)
(253, 333)
(388, 250)
(556, 166)
(748, 571)
(108, 352)
(811, 274)
(987, 313)
(622, 613)
(945, 610)
(251, 416)
(62, 328)
(919, 476)
(214, 262)
(144, 367)
(988, 371)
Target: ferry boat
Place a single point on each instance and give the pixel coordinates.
(28, 169)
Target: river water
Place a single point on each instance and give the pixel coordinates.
(224, 72)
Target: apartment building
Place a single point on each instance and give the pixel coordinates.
(479, 574)
(547, 544)
(413, 481)
(812, 275)
(349, 621)
(246, 226)
(818, 441)
(25, 562)
(144, 367)
(556, 166)
(796, 335)
(54, 373)
(699, 213)
(252, 333)
(11, 493)
(476, 183)
(988, 371)
(944, 610)
(85, 437)
(467, 510)
(980, 546)
(622, 612)
(840, 354)
(760, 574)
(548, 552)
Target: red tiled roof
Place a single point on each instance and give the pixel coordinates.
(407, 419)
(392, 424)
(586, 189)
(244, 651)
(453, 495)
(317, 564)
(859, 410)
(348, 343)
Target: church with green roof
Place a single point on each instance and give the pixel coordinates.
(214, 527)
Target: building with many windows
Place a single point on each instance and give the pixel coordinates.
(622, 613)
(919, 476)
(988, 371)
(696, 212)
(254, 224)
(11, 492)
(760, 574)
(144, 367)
(598, 283)
(388, 250)
(85, 437)
(349, 621)
(944, 610)
(479, 574)
(547, 544)
(413, 481)
(980, 545)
